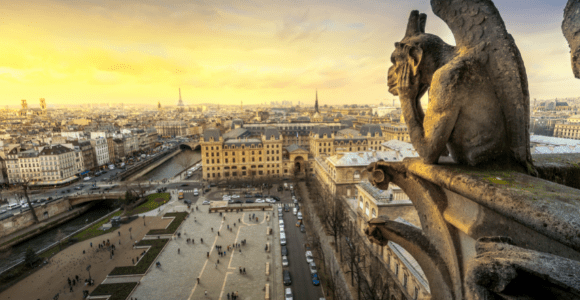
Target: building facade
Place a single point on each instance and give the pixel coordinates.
(568, 131)
(101, 151)
(53, 164)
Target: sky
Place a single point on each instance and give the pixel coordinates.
(219, 51)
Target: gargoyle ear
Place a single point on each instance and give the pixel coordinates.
(415, 56)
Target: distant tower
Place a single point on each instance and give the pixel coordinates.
(42, 104)
(316, 103)
(159, 105)
(24, 105)
(180, 103)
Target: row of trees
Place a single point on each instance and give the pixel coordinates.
(367, 274)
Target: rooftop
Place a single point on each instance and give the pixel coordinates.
(363, 158)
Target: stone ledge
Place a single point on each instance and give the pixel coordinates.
(546, 207)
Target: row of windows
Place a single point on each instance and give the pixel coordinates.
(242, 173)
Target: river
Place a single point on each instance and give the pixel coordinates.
(174, 165)
(51, 236)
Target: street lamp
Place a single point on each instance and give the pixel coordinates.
(89, 269)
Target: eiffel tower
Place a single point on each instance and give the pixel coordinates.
(180, 103)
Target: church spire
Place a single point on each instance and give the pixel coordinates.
(316, 103)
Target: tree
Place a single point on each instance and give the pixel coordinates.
(335, 220)
(25, 190)
(30, 257)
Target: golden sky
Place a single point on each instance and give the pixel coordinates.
(73, 52)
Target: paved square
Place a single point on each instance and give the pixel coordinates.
(177, 277)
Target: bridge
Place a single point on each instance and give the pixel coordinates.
(80, 199)
(192, 145)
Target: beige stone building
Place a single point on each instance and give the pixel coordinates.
(341, 173)
(325, 142)
(393, 203)
(398, 132)
(569, 131)
(243, 157)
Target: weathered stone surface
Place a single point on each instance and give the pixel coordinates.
(483, 77)
(571, 30)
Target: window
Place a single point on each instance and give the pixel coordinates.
(243, 160)
(226, 160)
(367, 208)
(397, 269)
(416, 294)
(404, 280)
(374, 211)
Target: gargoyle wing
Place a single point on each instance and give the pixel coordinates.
(480, 32)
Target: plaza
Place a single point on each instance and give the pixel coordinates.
(183, 262)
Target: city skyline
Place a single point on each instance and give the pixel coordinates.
(141, 52)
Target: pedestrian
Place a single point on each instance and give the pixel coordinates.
(91, 244)
(193, 241)
(206, 293)
(178, 250)
(212, 229)
(133, 260)
(244, 270)
(240, 251)
(197, 280)
(119, 233)
(218, 261)
(228, 226)
(218, 233)
(234, 224)
(224, 253)
(240, 270)
(201, 240)
(239, 221)
(228, 295)
(216, 265)
(208, 255)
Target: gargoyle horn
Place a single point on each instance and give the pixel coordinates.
(422, 21)
(413, 27)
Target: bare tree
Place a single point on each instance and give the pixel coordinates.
(183, 161)
(335, 220)
(25, 191)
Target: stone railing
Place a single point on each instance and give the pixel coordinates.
(486, 234)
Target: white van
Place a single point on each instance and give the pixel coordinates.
(288, 294)
(282, 239)
(13, 205)
(281, 222)
(294, 211)
(195, 192)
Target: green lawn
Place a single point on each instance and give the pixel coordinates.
(146, 261)
(179, 217)
(94, 230)
(118, 291)
(150, 204)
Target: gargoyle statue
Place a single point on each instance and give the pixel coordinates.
(478, 90)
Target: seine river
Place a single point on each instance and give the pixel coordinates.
(49, 237)
(174, 165)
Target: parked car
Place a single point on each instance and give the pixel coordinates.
(260, 201)
(249, 201)
(270, 200)
(80, 187)
(249, 196)
(298, 223)
(280, 215)
(302, 228)
(257, 195)
(287, 277)
(284, 251)
(206, 202)
(280, 188)
(299, 216)
(294, 210)
(288, 294)
(87, 178)
(185, 184)
(315, 279)
(312, 267)
(276, 198)
(95, 188)
(309, 257)
(238, 201)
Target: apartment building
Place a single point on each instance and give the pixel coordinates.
(53, 164)
(323, 141)
(100, 151)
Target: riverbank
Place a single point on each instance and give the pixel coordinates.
(51, 278)
(29, 232)
(178, 175)
(153, 165)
